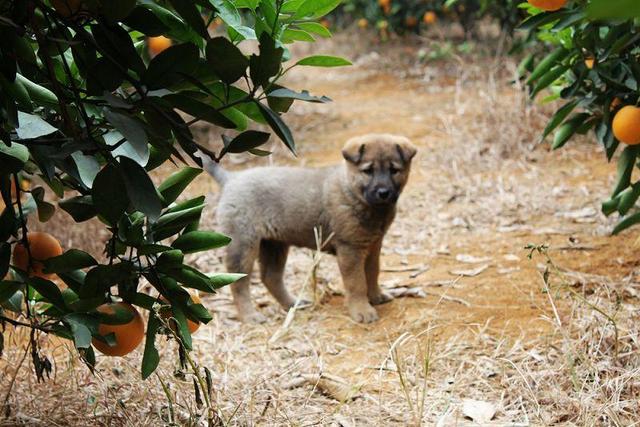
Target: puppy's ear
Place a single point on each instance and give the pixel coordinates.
(406, 150)
(353, 151)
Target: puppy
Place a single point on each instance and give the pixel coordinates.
(267, 209)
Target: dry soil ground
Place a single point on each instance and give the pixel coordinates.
(476, 322)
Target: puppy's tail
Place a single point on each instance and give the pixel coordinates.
(214, 169)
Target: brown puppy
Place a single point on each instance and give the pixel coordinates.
(265, 210)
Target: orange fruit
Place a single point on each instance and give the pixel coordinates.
(411, 21)
(384, 3)
(66, 8)
(548, 5)
(167, 314)
(42, 247)
(363, 23)
(626, 125)
(158, 44)
(325, 23)
(128, 336)
(429, 17)
(590, 62)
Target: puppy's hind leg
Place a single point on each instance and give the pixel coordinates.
(273, 257)
(241, 255)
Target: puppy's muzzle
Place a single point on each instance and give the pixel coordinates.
(381, 196)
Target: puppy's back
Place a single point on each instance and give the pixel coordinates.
(274, 202)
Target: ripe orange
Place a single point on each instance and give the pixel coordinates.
(127, 336)
(590, 62)
(42, 247)
(167, 314)
(66, 8)
(411, 21)
(429, 17)
(548, 5)
(626, 125)
(158, 44)
(363, 23)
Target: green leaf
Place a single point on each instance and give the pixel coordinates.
(613, 9)
(626, 223)
(199, 110)
(541, 19)
(49, 291)
(278, 126)
(118, 9)
(80, 208)
(268, 63)
(625, 168)
(316, 8)
(170, 259)
(175, 184)
(226, 60)
(109, 199)
(8, 288)
(228, 12)
(559, 117)
(323, 61)
(133, 131)
(145, 21)
(13, 158)
(315, 28)
(188, 10)
(628, 198)
(81, 326)
(140, 189)
(291, 35)
(545, 65)
(73, 279)
(88, 167)
(45, 209)
(246, 141)
(151, 357)
(32, 126)
(192, 278)
(548, 79)
(302, 96)
(71, 260)
(198, 241)
(568, 129)
(165, 69)
(14, 302)
(223, 279)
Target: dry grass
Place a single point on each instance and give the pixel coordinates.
(543, 353)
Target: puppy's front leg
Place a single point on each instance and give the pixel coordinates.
(372, 269)
(352, 267)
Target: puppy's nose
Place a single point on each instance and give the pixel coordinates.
(383, 193)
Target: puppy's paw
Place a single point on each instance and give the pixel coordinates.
(254, 317)
(363, 313)
(380, 298)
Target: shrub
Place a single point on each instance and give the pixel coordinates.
(93, 97)
(591, 65)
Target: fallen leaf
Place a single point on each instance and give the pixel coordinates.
(400, 292)
(470, 273)
(478, 410)
(470, 259)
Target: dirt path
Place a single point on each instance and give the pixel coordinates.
(477, 196)
(478, 193)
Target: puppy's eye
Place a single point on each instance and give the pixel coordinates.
(368, 170)
(393, 170)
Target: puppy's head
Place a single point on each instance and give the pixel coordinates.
(378, 167)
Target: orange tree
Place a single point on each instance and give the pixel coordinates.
(403, 16)
(86, 110)
(592, 65)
